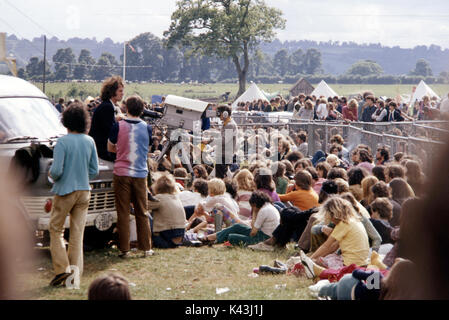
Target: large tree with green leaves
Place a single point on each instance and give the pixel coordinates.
(85, 63)
(365, 68)
(224, 28)
(422, 68)
(64, 60)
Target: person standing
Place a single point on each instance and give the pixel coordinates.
(130, 140)
(228, 152)
(60, 105)
(75, 161)
(368, 109)
(104, 116)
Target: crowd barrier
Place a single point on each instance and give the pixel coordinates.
(421, 138)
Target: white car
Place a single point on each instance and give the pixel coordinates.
(29, 128)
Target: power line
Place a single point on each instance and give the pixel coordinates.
(99, 65)
(29, 18)
(29, 42)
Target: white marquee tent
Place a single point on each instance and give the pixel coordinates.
(422, 90)
(323, 90)
(253, 93)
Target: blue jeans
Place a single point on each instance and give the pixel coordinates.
(163, 240)
(340, 290)
(238, 234)
(279, 205)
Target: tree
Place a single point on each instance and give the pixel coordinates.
(35, 68)
(62, 72)
(297, 62)
(21, 73)
(107, 65)
(281, 62)
(171, 63)
(365, 68)
(64, 60)
(84, 67)
(224, 28)
(312, 61)
(422, 69)
(261, 64)
(149, 53)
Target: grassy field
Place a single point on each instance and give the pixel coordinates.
(82, 90)
(180, 274)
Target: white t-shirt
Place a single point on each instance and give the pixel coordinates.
(267, 219)
(210, 202)
(189, 198)
(321, 111)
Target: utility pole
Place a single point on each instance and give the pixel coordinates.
(124, 62)
(45, 60)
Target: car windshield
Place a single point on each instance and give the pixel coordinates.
(28, 117)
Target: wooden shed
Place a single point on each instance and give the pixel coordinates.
(301, 86)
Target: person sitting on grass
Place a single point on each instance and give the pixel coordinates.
(245, 187)
(381, 214)
(349, 235)
(265, 219)
(303, 197)
(217, 209)
(169, 218)
(190, 199)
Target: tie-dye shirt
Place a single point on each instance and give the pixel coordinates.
(133, 138)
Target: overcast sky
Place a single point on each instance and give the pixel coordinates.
(404, 23)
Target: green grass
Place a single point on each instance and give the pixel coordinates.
(83, 90)
(190, 273)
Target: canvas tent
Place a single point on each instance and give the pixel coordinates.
(301, 86)
(253, 93)
(270, 96)
(323, 90)
(422, 90)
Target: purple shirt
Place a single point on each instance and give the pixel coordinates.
(367, 166)
(273, 194)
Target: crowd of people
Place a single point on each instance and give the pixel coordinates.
(365, 108)
(345, 211)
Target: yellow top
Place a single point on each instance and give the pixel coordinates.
(353, 241)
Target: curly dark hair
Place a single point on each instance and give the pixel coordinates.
(294, 156)
(76, 118)
(356, 175)
(110, 87)
(381, 190)
(202, 172)
(335, 173)
(365, 156)
(259, 198)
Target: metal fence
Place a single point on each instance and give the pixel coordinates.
(420, 138)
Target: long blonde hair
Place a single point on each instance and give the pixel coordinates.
(245, 180)
(338, 209)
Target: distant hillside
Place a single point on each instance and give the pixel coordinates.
(24, 49)
(336, 57)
